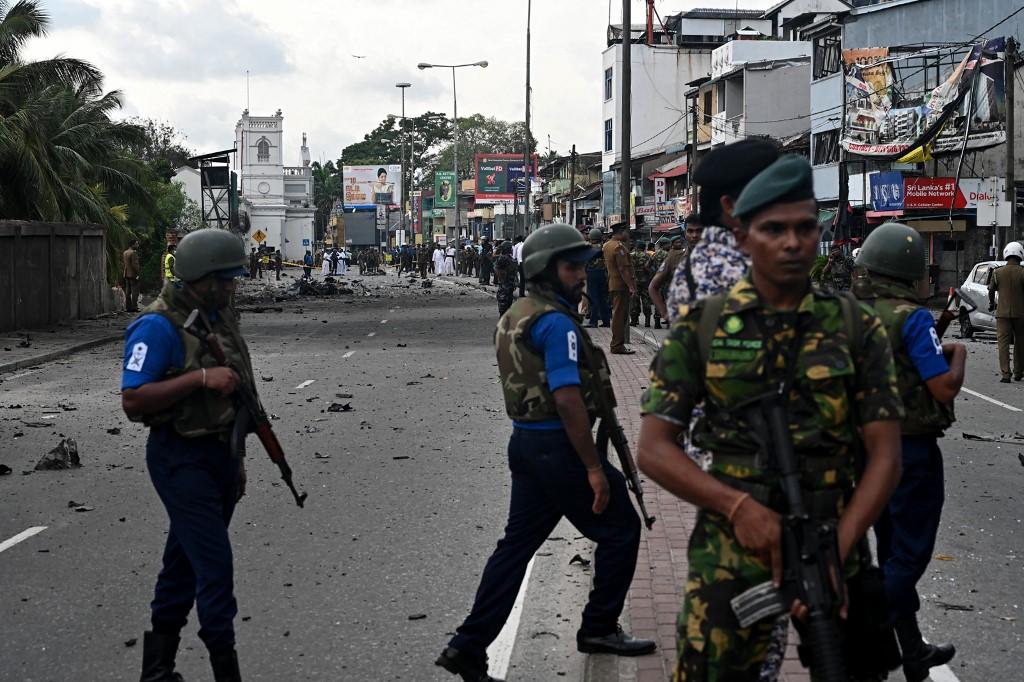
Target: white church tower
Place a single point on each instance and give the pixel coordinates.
(278, 199)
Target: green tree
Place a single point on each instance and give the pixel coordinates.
(326, 189)
(162, 147)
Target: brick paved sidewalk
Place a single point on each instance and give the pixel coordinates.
(657, 590)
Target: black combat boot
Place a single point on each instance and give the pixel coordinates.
(466, 667)
(158, 653)
(225, 666)
(647, 320)
(657, 323)
(918, 655)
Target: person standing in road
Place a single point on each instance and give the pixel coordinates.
(172, 385)
(437, 260)
(929, 375)
(658, 288)
(827, 360)
(169, 265)
(838, 271)
(486, 263)
(716, 263)
(621, 285)
(1008, 282)
(325, 265)
(505, 271)
(335, 257)
(130, 272)
(641, 262)
(517, 253)
(253, 263)
(278, 262)
(556, 468)
(307, 265)
(597, 282)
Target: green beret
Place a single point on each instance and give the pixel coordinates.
(641, 245)
(787, 180)
(664, 241)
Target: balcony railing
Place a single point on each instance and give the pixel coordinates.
(292, 171)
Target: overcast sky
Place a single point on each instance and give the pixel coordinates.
(184, 61)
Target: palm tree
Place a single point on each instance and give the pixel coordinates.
(326, 189)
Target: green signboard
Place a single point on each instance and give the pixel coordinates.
(444, 189)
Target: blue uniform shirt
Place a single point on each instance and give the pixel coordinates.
(923, 345)
(555, 335)
(151, 347)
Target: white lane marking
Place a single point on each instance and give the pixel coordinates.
(500, 651)
(383, 321)
(372, 334)
(23, 374)
(1011, 408)
(348, 354)
(305, 383)
(23, 535)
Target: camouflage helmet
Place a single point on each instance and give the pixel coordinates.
(550, 241)
(894, 250)
(207, 251)
(595, 234)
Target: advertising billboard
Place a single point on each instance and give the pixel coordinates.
(892, 191)
(891, 114)
(369, 186)
(444, 189)
(497, 174)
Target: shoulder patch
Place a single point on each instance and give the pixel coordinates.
(138, 358)
(573, 346)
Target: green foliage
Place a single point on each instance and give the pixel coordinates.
(326, 189)
(162, 146)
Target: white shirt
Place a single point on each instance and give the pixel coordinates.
(517, 252)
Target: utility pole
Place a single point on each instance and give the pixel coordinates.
(403, 194)
(526, 141)
(455, 162)
(626, 119)
(572, 187)
(1009, 68)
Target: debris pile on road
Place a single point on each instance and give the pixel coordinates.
(5, 470)
(64, 456)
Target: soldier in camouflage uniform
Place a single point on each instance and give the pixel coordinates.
(505, 271)
(642, 272)
(732, 348)
(929, 375)
(838, 271)
(657, 260)
(551, 373)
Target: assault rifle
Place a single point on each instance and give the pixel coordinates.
(812, 571)
(610, 429)
(250, 409)
(947, 316)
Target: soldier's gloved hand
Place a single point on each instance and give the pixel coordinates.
(759, 529)
(599, 484)
(222, 379)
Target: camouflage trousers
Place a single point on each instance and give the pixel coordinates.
(712, 646)
(505, 296)
(640, 303)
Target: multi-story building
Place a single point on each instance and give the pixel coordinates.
(277, 199)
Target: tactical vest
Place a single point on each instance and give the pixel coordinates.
(894, 303)
(203, 412)
(523, 377)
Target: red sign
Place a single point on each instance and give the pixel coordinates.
(932, 193)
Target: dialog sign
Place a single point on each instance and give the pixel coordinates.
(496, 176)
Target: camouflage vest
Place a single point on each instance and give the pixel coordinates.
(202, 412)
(894, 303)
(523, 378)
(641, 265)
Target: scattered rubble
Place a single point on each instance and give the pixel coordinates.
(79, 507)
(5, 470)
(64, 456)
(340, 407)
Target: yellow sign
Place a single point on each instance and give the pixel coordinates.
(259, 236)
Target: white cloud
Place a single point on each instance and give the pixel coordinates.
(184, 61)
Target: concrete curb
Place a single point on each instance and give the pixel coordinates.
(61, 353)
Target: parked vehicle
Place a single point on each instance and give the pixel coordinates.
(975, 289)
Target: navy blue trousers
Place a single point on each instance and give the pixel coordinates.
(600, 303)
(907, 529)
(548, 482)
(197, 480)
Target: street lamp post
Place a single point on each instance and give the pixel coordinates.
(402, 195)
(455, 132)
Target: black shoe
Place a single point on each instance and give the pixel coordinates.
(634, 323)
(624, 351)
(158, 653)
(657, 323)
(1018, 377)
(225, 667)
(605, 324)
(1004, 380)
(918, 655)
(618, 643)
(647, 321)
(457, 663)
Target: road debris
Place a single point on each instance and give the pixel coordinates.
(340, 407)
(417, 616)
(79, 507)
(114, 431)
(5, 470)
(1015, 439)
(577, 559)
(64, 456)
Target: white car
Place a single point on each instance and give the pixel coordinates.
(975, 290)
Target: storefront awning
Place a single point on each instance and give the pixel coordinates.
(667, 227)
(670, 173)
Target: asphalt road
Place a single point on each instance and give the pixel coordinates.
(408, 494)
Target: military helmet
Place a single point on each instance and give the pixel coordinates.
(895, 250)
(207, 251)
(553, 240)
(596, 234)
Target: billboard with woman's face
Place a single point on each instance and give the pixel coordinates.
(369, 186)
